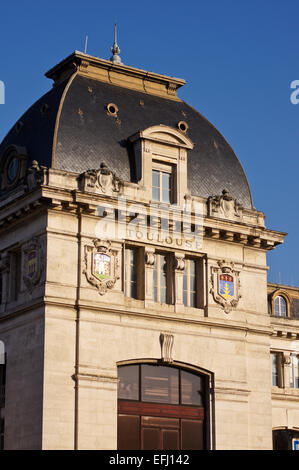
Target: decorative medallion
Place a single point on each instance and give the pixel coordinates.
(102, 181)
(32, 263)
(225, 285)
(101, 265)
(224, 206)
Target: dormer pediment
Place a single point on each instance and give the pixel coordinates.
(164, 134)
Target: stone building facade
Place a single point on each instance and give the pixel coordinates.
(135, 311)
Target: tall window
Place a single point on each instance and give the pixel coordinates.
(131, 272)
(280, 306)
(277, 369)
(294, 371)
(162, 282)
(274, 357)
(162, 183)
(190, 283)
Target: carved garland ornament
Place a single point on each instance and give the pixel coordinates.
(101, 265)
(225, 285)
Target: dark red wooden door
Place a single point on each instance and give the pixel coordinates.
(159, 427)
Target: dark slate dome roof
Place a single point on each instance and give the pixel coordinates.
(73, 132)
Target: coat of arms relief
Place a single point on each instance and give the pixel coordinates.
(101, 181)
(225, 285)
(33, 263)
(225, 206)
(101, 265)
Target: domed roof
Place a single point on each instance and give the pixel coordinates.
(70, 129)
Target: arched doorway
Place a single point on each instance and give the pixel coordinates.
(162, 407)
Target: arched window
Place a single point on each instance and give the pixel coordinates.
(162, 408)
(280, 306)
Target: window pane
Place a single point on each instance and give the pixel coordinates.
(133, 273)
(280, 307)
(128, 385)
(166, 196)
(150, 439)
(131, 257)
(193, 299)
(170, 439)
(159, 384)
(156, 194)
(294, 371)
(192, 283)
(163, 278)
(185, 298)
(192, 435)
(283, 307)
(191, 389)
(156, 185)
(166, 187)
(156, 178)
(189, 284)
(274, 370)
(166, 181)
(192, 267)
(155, 279)
(128, 432)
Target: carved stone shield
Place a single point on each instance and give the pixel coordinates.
(101, 265)
(105, 181)
(32, 263)
(32, 260)
(225, 285)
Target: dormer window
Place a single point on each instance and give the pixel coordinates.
(162, 183)
(160, 164)
(280, 306)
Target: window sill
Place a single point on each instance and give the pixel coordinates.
(287, 393)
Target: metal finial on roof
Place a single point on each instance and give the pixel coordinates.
(115, 50)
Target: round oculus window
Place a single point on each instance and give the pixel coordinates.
(13, 169)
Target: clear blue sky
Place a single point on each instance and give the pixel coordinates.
(238, 57)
